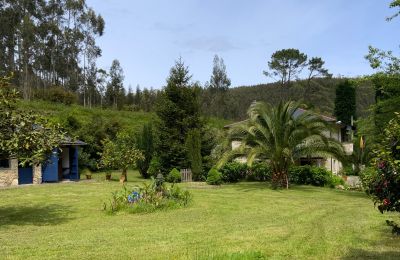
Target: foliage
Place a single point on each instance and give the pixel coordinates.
(144, 142)
(115, 88)
(349, 171)
(312, 175)
(46, 43)
(345, 102)
(368, 176)
(394, 4)
(259, 171)
(178, 112)
(214, 99)
(174, 176)
(383, 61)
(155, 166)
(387, 95)
(286, 64)
(148, 198)
(281, 135)
(384, 185)
(60, 95)
(316, 68)
(193, 148)
(233, 171)
(214, 177)
(120, 154)
(86, 171)
(24, 135)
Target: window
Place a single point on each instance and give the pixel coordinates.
(4, 163)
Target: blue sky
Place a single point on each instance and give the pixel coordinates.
(148, 36)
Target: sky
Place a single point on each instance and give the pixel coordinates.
(147, 36)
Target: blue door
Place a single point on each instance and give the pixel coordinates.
(73, 156)
(50, 168)
(25, 175)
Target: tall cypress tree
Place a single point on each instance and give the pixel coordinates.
(178, 112)
(345, 102)
(193, 147)
(145, 144)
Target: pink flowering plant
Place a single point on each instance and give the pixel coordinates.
(383, 183)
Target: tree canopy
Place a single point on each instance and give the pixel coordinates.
(23, 134)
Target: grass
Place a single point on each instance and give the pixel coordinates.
(240, 221)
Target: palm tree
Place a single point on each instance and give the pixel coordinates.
(282, 135)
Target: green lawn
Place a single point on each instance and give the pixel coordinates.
(241, 221)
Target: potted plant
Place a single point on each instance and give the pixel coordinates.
(87, 173)
(108, 175)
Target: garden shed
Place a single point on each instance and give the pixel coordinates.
(62, 164)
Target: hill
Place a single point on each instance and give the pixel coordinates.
(60, 113)
(318, 95)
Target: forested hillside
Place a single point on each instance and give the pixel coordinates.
(318, 95)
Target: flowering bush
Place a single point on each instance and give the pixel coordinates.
(383, 184)
(148, 198)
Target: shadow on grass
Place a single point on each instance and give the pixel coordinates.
(364, 254)
(34, 215)
(255, 186)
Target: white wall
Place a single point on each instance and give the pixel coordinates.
(65, 157)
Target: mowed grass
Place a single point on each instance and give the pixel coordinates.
(239, 221)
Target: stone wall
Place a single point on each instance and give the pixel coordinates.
(37, 174)
(9, 176)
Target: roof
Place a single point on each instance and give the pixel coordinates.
(69, 142)
(297, 113)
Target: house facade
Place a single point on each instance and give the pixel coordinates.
(62, 164)
(339, 132)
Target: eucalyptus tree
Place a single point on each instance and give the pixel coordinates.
(47, 43)
(115, 87)
(281, 135)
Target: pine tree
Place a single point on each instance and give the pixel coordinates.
(178, 112)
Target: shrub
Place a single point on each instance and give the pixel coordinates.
(311, 175)
(148, 198)
(368, 176)
(259, 172)
(154, 167)
(334, 181)
(233, 172)
(174, 176)
(214, 177)
(349, 171)
(59, 95)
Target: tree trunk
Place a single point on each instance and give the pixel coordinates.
(124, 177)
(286, 180)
